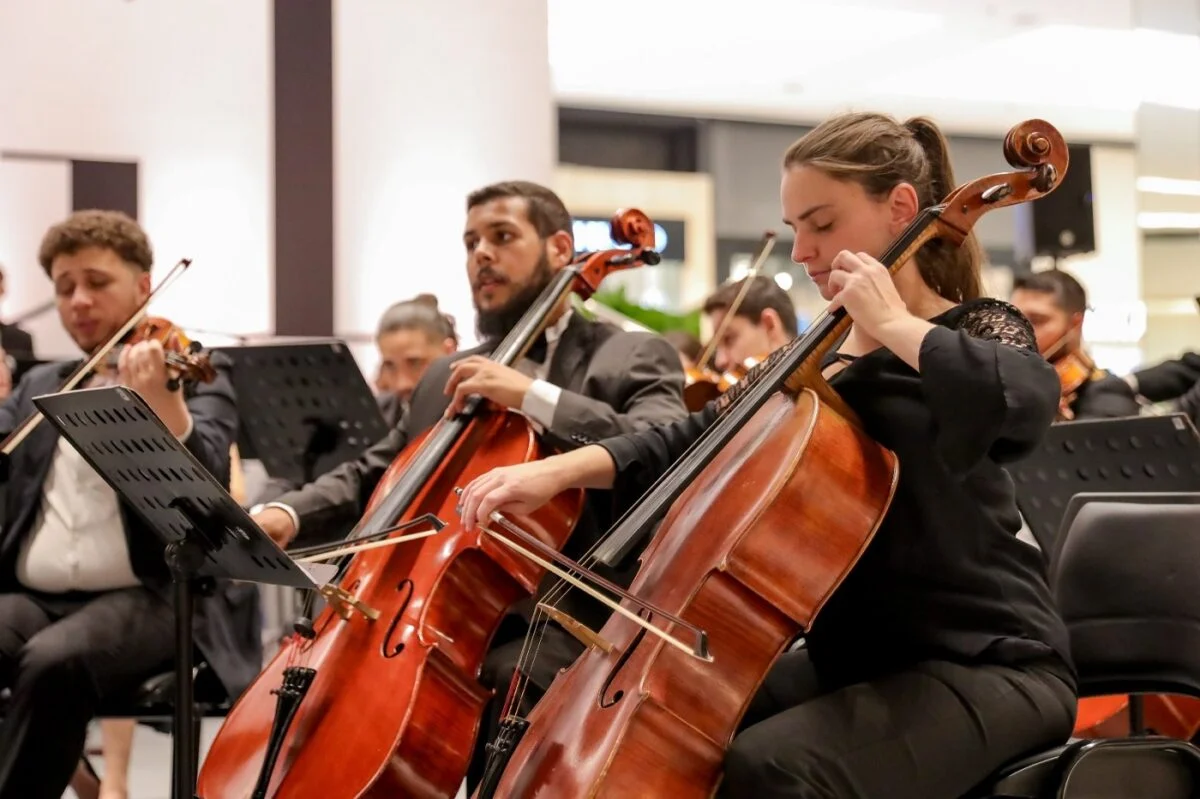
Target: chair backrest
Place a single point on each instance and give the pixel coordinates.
(1125, 572)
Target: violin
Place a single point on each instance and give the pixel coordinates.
(727, 583)
(185, 358)
(380, 695)
(1074, 370)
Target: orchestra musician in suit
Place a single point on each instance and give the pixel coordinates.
(1175, 381)
(582, 382)
(411, 335)
(1054, 302)
(85, 597)
(16, 346)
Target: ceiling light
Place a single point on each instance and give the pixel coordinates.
(784, 281)
(1159, 185)
(1168, 220)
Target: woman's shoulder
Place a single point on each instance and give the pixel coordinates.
(990, 318)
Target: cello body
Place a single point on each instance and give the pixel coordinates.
(394, 706)
(745, 554)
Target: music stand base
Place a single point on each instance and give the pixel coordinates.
(184, 558)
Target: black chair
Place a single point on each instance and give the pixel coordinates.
(1124, 570)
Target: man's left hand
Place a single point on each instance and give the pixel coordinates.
(143, 367)
(475, 374)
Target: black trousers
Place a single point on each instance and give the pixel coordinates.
(61, 656)
(556, 651)
(934, 731)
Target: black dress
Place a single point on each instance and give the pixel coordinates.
(942, 655)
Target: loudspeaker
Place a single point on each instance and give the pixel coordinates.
(1062, 221)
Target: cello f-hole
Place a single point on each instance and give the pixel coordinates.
(605, 700)
(389, 651)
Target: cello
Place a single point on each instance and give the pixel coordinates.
(379, 697)
(634, 716)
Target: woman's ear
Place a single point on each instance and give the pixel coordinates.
(903, 206)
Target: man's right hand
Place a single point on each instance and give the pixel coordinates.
(276, 523)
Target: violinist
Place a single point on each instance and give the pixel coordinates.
(584, 382)
(85, 608)
(1055, 303)
(763, 322)
(941, 656)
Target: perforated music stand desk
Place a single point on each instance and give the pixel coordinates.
(1134, 454)
(206, 532)
(305, 407)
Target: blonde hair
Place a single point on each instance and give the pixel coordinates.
(879, 153)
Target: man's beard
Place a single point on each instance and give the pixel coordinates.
(496, 323)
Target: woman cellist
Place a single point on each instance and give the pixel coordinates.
(941, 656)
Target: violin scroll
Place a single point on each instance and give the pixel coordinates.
(629, 227)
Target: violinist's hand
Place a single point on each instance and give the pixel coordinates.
(475, 374)
(517, 489)
(277, 523)
(864, 288)
(143, 367)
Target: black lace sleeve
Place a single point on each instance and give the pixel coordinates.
(990, 392)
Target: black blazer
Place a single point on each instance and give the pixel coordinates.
(227, 626)
(613, 382)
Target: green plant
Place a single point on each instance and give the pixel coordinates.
(656, 320)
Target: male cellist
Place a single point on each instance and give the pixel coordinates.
(591, 381)
(1055, 303)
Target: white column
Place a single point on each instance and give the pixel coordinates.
(184, 88)
(433, 98)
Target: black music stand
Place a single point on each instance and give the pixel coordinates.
(305, 407)
(206, 533)
(1134, 454)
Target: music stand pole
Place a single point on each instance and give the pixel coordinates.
(205, 533)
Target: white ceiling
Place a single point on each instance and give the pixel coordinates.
(974, 65)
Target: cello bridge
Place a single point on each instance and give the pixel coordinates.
(582, 633)
(346, 604)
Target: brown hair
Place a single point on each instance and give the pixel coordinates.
(108, 230)
(879, 153)
(420, 313)
(763, 293)
(685, 343)
(544, 208)
(1068, 293)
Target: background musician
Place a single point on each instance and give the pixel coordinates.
(1175, 382)
(85, 611)
(942, 656)
(585, 381)
(764, 322)
(1055, 303)
(16, 346)
(412, 334)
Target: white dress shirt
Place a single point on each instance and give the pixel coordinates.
(78, 537)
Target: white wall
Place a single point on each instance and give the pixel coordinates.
(433, 98)
(184, 88)
(1112, 274)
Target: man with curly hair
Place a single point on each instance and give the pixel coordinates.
(85, 601)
